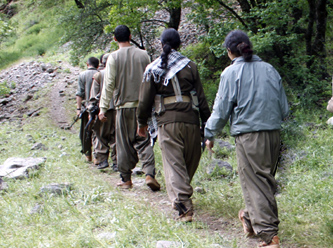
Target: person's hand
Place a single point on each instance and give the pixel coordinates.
(102, 117)
(78, 111)
(142, 131)
(210, 145)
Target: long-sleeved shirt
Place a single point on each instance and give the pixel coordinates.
(123, 76)
(84, 83)
(188, 79)
(251, 95)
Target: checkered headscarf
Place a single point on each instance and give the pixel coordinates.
(176, 62)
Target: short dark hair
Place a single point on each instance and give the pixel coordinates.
(93, 61)
(122, 33)
(239, 44)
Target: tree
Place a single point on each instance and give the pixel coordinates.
(294, 41)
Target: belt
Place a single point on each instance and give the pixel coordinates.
(172, 99)
(128, 105)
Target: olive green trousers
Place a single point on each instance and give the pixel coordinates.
(181, 151)
(257, 156)
(131, 147)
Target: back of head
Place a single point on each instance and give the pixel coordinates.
(239, 44)
(122, 33)
(170, 39)
(92, 61)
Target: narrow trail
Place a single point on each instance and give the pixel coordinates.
(230, 229)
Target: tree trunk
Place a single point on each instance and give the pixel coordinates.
(175, 15)
(79, 4)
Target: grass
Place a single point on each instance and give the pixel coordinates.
(94, 206)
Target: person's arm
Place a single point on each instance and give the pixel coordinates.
(283, 102)
(95, 86)
(80, 93)
(224, 103)
(146, 101)
(108, 87)
(203, 104)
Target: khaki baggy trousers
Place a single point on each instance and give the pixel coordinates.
(104, 138)
(257, 156)
(131, 147)
(181, 151)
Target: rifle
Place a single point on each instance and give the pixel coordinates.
(93, 112)
(77, 118)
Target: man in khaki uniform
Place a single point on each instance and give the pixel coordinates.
(122, 80)
(104, 136)
(83, 95)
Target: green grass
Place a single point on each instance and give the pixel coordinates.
(94, 206)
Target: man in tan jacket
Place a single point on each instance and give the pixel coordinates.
(122, 79)
(104, 137)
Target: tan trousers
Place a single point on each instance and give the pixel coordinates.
(181, 151)
(104, 138)
(257, 156)
(131, 147)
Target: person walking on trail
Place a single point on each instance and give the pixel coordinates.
(251, 95)
(104, 137)
(122, 80)
(82, 97)
(172, 84)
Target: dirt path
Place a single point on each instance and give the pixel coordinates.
(229, 229)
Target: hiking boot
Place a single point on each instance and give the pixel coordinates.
(275, 243)
(152, 183)
(115, 167)
(247, 227)
(103, 165)
(125, 185)
(88, 158)
(186, 217)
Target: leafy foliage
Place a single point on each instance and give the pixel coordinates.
(279, 39)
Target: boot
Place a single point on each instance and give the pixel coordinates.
(247, 227)
(152, 183)
(103, 165)
(275, 243)
(185, 215)
(125, 185)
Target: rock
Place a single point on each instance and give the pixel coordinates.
(137, 171)
(3, 185)
(39, 146)
(29, 138)
(28, 97)
(330, 121)
(37, 209)
(199, 190)
(168, 244)
(106, 235)
(4, 101)
(19, 167)
(218, 165)
(50, 70)
(56, 188)
(221, 143)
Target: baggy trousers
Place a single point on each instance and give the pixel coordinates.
(86, 141)
(181, 151)
(131, 147)
(257, 156)
(104, 138)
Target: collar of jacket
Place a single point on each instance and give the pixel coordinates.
(240, 59)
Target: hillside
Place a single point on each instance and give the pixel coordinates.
(37, 103)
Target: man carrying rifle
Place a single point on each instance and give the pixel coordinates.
(103, 132)
(83, 95)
